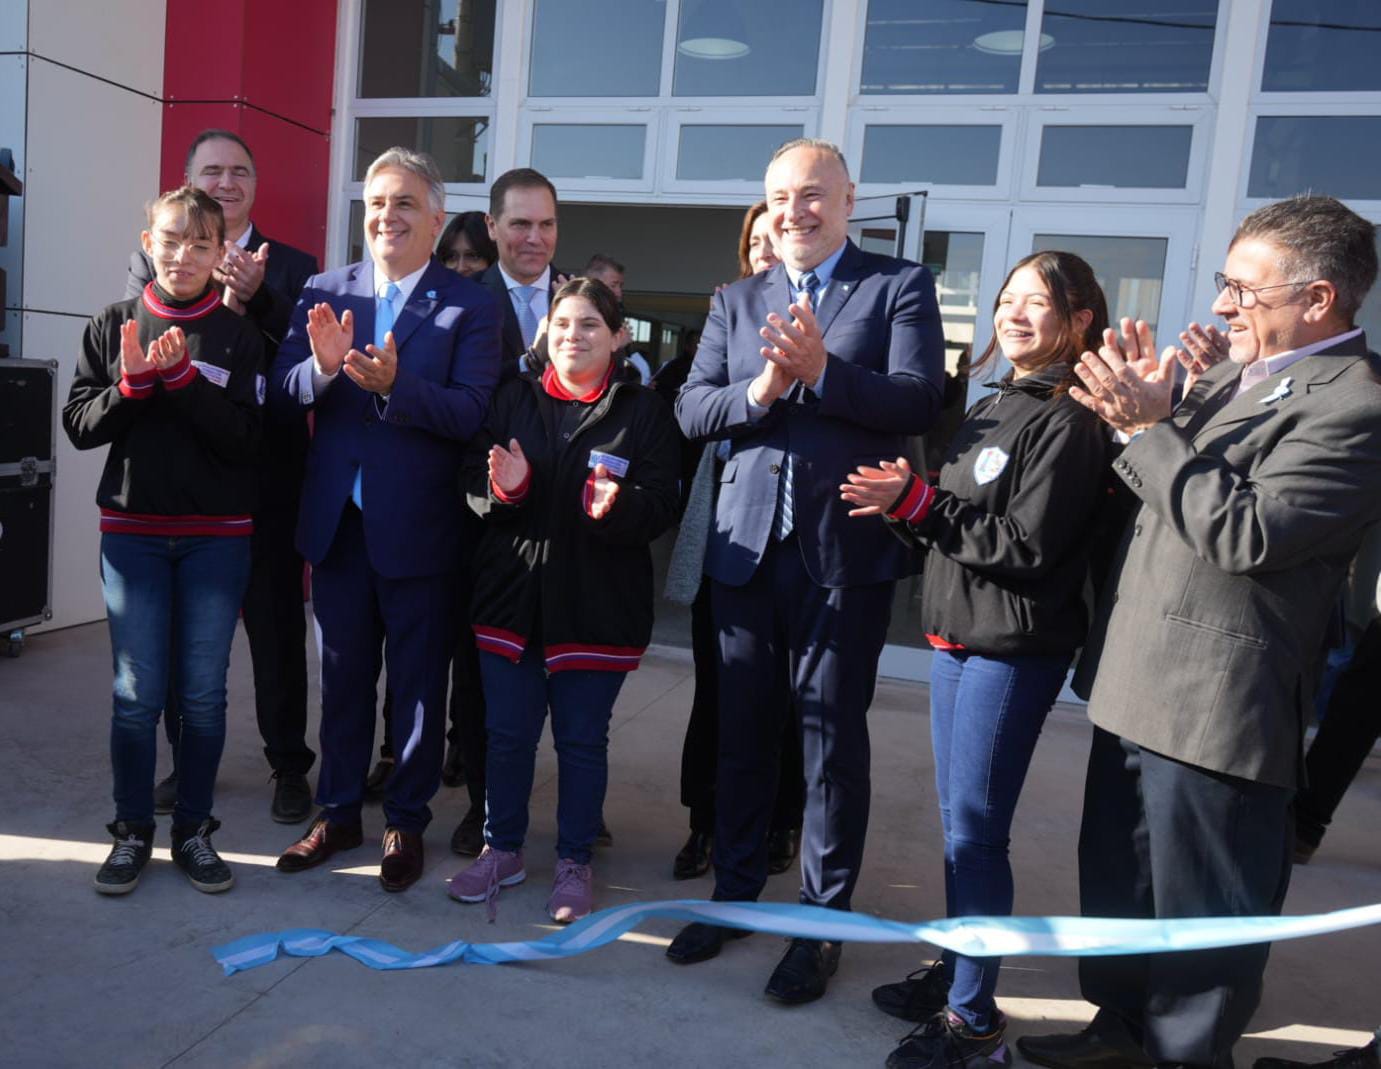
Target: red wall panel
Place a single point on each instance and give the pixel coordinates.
(269, 80)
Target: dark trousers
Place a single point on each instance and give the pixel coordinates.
(409, 623)
(781, 633)
(700, 750)
(276, 625)
(1346, 736)
(986, 715)
(1163, 839)
(581, 702)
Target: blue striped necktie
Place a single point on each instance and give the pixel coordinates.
(527, 319)
(383, 323)
(786, 496)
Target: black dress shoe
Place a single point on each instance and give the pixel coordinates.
(402, 861)
(701, 942)
(804, 971)
(782, 847)
(292, 798)
(1088, 1049)
(468, 838)
(453, 769)
(377, 781)
(694, 858)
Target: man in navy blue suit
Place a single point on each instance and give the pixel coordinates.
(829, 360)
(381, 512)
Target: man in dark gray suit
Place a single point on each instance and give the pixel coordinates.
(1253, 497)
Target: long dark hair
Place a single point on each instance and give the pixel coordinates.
(1073, 288)
(472, 225)
(597, 293)
(745, 237)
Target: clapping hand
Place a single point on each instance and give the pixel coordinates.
(1125, 383)
(1203, 347)
(168, 350)
(132, 359)
(242, 272)
(508, 468)
(330, 337)
(875, 490)
(377, 370)
(604, 492)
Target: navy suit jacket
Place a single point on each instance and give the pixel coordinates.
(513, 347)
(408, 448)
(883, 383)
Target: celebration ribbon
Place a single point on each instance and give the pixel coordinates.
(972, 936)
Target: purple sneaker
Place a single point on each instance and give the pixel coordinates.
(492, 870)
(572, 892)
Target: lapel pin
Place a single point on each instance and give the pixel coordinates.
(1279, 393)
(431, 295)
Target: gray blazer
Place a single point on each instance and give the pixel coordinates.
(1207, 647)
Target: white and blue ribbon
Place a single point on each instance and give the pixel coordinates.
(973, 936)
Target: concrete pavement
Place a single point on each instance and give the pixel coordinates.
(87, 980)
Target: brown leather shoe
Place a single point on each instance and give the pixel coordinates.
(322, 840)
(402, 863)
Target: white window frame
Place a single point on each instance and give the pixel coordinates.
(677, 117)
(637, 115)
(1197, 117)
(1005, 117)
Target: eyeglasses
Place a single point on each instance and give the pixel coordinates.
(195, 250)
(1245, 296)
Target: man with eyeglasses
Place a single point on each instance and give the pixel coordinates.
(1253, 498)
(263, 279)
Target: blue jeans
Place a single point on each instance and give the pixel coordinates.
(986, 714)
(170, 598)
(516, 699)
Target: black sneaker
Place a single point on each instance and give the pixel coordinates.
(919, 997)
(1357, 1058)
(196, 857)
(119, 875)
(292, 798)
(947, 1042)
(165, 794)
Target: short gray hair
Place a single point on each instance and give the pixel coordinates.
(829, 148)
(1318, 238)
(418, 163)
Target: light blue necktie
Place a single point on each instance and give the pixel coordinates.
(527, 320)
(786, 498)
(383, 323)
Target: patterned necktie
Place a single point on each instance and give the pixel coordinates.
(786, 495)
(527, 321)
(384, 317)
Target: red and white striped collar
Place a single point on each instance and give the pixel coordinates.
(198, 308)
(552, 384)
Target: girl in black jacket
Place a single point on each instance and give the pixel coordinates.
(575, 474)
(1006, 531)
(170, 381)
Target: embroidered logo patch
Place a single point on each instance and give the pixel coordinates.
(989, 465)
(616, 465)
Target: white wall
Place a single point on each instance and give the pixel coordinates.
(84, 99)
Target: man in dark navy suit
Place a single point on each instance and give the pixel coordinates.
(522, 222)
(262, 280)
(381, 513)
(829, 360)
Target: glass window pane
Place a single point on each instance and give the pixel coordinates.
(1322, 45)
(944, 46)
(729, 48)
(573, 150)
(715, 153)
(1139, 157)
(1335, 154)
(944, 155)
(955, 259)
(1130, 270)
(1126, 46)
(427, 48)
(460, 145)
(597, 48)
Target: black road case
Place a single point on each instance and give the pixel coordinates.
(28, 426)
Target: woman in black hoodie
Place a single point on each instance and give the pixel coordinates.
(574, 473)
(1007, 531)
